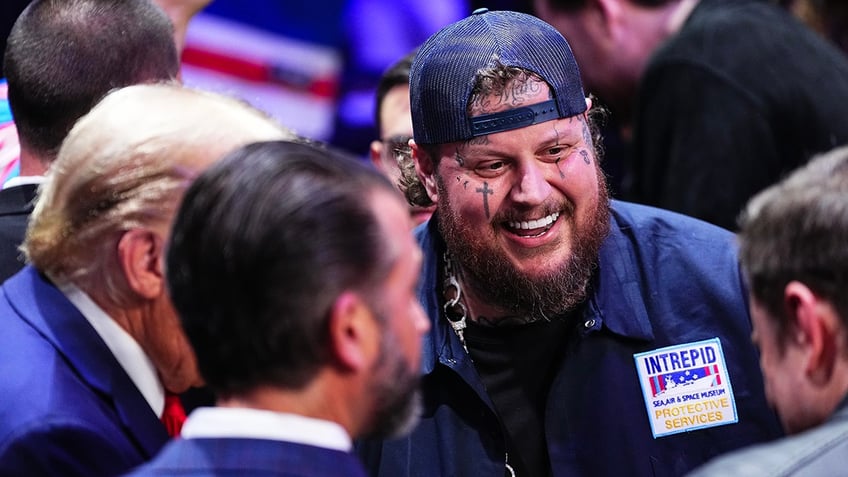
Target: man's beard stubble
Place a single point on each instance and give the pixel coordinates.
(397, 391)
(496, 281)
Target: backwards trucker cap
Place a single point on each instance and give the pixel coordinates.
(444, 68)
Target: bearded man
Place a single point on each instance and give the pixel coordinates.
(570, 335)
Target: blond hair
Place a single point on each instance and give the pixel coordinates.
(126, 165)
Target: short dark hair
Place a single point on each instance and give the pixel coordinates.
(396, 75)
(798, 230)
(63, 56)
(263, 244)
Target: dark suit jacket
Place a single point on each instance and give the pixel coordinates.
(249, 457)
(66, 406)
(16, 204)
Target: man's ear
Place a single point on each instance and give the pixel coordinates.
(376, 151)
(354, 332)
(140, 253)
(425, 167)
(588, 122)
(815, 330)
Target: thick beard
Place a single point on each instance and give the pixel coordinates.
(397, 391)
(496, 281)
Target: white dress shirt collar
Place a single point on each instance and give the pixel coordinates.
(217, 422)
(127, 351)
(23, 180)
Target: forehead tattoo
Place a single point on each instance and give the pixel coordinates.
(515, 94)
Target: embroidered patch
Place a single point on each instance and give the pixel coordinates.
(686, 387)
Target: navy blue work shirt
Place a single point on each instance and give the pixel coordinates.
(663, 280)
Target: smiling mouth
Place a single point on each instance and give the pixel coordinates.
(532, 228)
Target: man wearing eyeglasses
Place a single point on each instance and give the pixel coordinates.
(394, 123)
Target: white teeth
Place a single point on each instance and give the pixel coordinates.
(535, 224)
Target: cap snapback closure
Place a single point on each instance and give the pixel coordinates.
(514, 118)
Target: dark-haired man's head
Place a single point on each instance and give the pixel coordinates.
(294, 273)
(63, 57)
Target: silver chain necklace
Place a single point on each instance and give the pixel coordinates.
(457, 315)
(455, 310)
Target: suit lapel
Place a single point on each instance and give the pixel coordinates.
(47, 310)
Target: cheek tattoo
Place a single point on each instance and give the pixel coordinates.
(485, 191)
(561, 174)
(587, 139)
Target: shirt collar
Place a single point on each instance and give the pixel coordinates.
(127, 351)
(615, 294)
(217, 422)
(23, 180)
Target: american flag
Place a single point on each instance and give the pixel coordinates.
(662, 382)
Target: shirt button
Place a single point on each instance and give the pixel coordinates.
(589, 323)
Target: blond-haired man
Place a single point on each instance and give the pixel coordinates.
(91, 342)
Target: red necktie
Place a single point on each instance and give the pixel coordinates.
(174, 415)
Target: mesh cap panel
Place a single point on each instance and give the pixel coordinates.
(444, 69)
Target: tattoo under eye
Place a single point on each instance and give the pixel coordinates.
(585, 155)
(559, 147)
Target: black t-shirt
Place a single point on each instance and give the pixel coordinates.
(517, 364)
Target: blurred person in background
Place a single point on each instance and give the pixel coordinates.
(827, 17)
(723, 97)
(394, 124)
